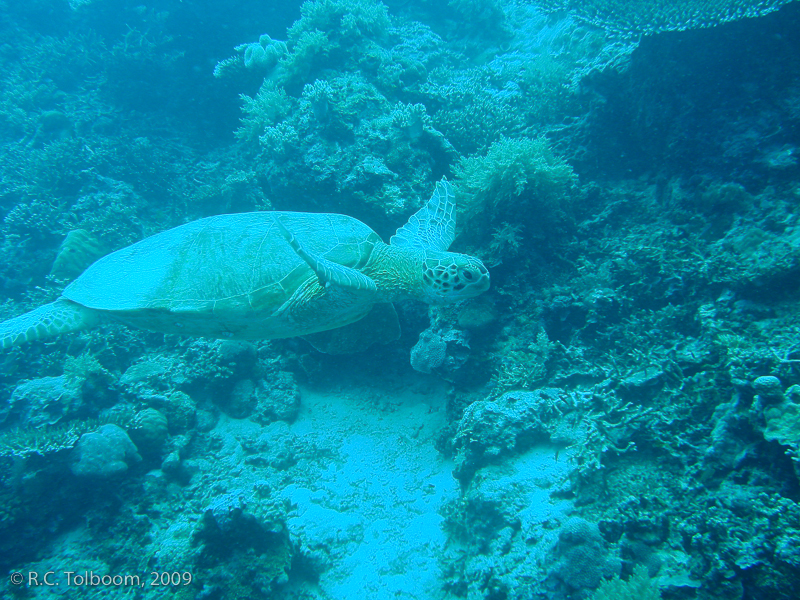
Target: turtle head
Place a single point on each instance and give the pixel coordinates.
(450, 277)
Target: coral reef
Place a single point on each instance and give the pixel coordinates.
(265, 54)
(23, 442)
(618, 417)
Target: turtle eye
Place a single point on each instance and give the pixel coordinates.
(467, 275)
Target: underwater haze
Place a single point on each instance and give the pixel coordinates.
(505, 304)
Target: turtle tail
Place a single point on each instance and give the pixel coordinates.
(61, 316)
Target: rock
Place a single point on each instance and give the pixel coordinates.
(104, 453)
(171, 465)
(181, 412)
(206, 420)
(508, 517)
(445, 351)
(41, 402)
(242, 400)
(278, 399)
(457, 349)
(429, 352)
(477, 315)
(230, 527)
(490, 429)
(768, 388)
(149, 430)
(583, 559)
(727, 446)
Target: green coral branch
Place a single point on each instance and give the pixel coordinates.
(511, 168)
(269, 107)
(638, 587)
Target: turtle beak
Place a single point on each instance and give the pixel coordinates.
(484, 282)
(481, 285)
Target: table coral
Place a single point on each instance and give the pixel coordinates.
(635, 19)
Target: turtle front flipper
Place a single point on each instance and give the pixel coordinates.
(61, 316)
(432, 227)
(329, 272)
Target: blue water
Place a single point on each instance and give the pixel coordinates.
(618, 416)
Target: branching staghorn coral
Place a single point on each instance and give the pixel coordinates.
(607, 429)
(522, 367)
(25, 442)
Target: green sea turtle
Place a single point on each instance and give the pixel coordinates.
(265, 275)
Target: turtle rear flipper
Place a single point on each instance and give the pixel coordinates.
(61, 316)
